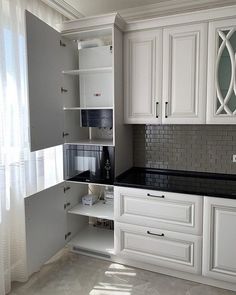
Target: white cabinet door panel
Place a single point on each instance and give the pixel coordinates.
(219, 239)
(142, 77)
(46, 61)
(159, 247)
(46, 225)
(171, 211)
(221, 90)
(184, 74)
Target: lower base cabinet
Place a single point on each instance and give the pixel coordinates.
(159, 247)
(166, 234)
(219, 239)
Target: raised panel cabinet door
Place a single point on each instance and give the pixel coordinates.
(47, 56)
(46, 225)
(221, 82)
(184, 74)
(159, 247)
(143, 77)
(219, 239)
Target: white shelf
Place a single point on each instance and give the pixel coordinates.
(87, 71)
(99, 210)
(86, 108)
(88, 183)
(93, 239)
(101, 142)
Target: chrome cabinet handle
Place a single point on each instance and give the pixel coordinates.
(152, 234)
(155, 196)
(157, 103)
(166, 107)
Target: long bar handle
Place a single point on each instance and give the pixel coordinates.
(157, 103)
(166, 109)
(152, 234)
(155, 196)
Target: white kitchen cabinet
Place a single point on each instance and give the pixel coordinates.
(184, 74)
(143, 77)
(63, 82)
(159, 228)
(48, 227)
(176, 95)
(55, 118)
(55, 218)
(166, 210)
(219, 239)
(159, 247)
(221, 91)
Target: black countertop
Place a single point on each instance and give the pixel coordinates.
(197, 183)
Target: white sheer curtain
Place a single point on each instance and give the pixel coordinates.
(21, 172)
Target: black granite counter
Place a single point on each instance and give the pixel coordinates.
(205, 184)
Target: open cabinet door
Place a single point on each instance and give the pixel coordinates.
(47, 55)
(46, 225)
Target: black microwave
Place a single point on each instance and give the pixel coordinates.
(87, 163)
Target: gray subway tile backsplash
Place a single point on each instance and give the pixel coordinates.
(206, 148)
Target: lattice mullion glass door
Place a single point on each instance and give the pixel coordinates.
(221, 97)
(225, 72)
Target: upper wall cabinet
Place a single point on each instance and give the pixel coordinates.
(184, 74)
(221, 96)
(76, 83)
(181, 75)
(143, 77)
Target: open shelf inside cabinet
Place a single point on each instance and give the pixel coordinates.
(95, 234)
(88, 71)
(93, 241)
(96, 141)
(99, 210)
(93, 79)
(80, 127)
(86, 108)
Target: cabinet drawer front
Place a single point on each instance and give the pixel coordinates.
(172, 211)
(160, 247)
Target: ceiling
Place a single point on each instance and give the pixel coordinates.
(93, 7)
(138, 9)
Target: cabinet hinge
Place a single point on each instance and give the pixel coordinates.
(67, 235)
(66, 205)
(111, 49)
(62, 44)
(63, 90)
(64, 134)
(66, 188)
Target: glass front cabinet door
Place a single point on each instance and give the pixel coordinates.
(221, 100)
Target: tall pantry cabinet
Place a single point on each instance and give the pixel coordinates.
(63, 83)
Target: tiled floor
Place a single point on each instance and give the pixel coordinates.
(74, 274)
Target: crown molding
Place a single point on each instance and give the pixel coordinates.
(170, 7)
(206, 15)
(74, 29)
(64, 8)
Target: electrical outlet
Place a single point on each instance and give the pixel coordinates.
(234, 158)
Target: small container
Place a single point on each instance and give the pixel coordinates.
(108, 195)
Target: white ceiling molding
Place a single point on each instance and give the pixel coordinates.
(170, 7)
(64, 8)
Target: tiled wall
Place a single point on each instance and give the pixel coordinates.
(207, 148)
